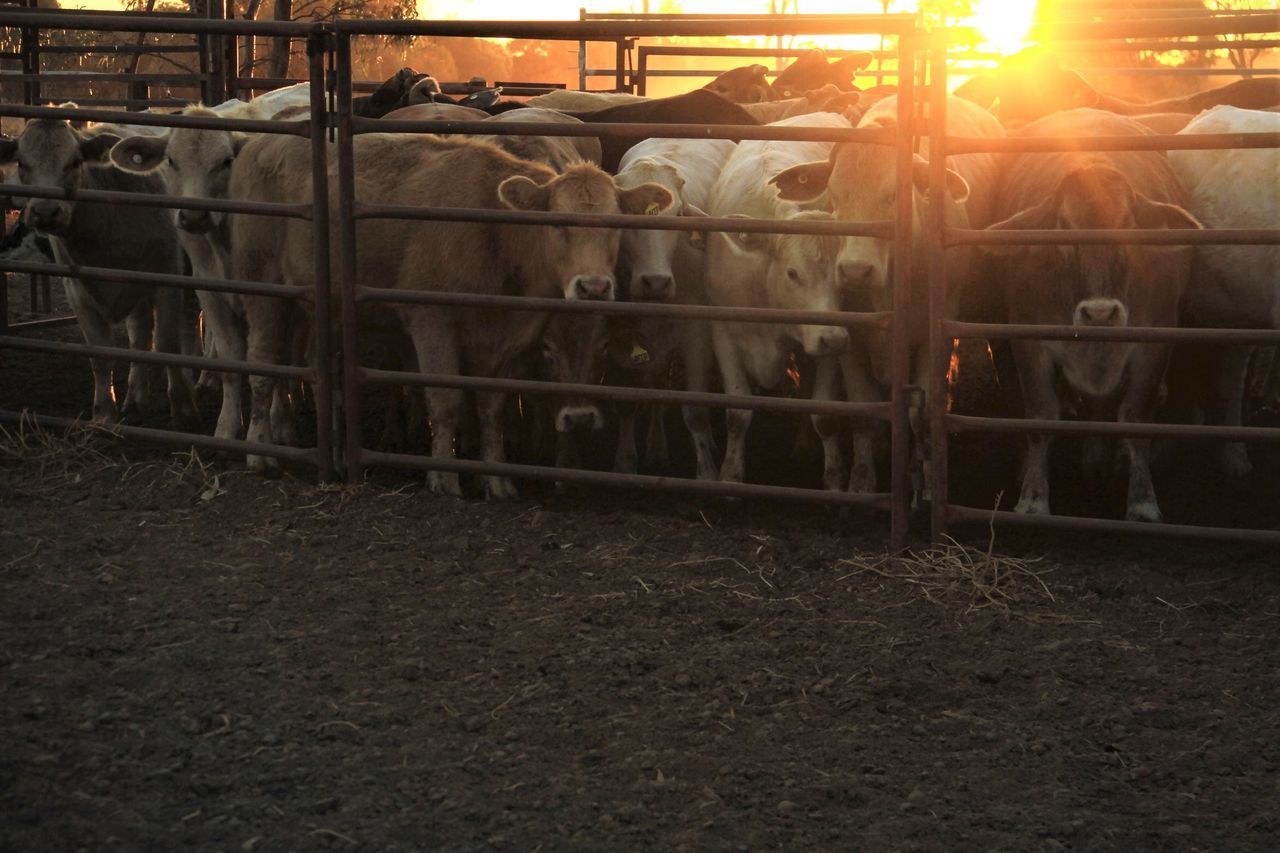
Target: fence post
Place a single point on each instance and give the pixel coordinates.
(938, 349)
(900, 433)
(318, 44)
(347, 253)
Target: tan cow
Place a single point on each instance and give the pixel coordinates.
(540, 261)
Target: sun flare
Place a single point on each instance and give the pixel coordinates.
(1004, 24)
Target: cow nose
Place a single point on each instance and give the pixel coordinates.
(831, 341)
(579, 418)
(855, 274)
(656, 286)
(1101, 312)
(195, 221)
(44, 214)
(593, 287)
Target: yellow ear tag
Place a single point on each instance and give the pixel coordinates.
(639, 355)
(697, 239)
(652, 209)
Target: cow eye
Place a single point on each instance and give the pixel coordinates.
(793, 275)
(226, 164)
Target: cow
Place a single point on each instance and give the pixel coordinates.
(1107, 286)
(1033, 83)
(573, 101)
(697, 107)
(51, 153)
(860, 179)
(541, 261)
(557, 152)
(669, 266)
(197, 164)
(1231, 286)
(746, 84)
(812, 70)
(773, 271)
(828, 99)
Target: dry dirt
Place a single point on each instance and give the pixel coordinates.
(193, 658)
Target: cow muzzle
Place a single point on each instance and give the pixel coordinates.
(1101, 312)
(195, 221)
(47, 217)
(859, 275)
(579, 418)
(600, 287)
(654, 287)
(825, 340)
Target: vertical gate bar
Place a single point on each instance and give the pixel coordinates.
(642, 72)
(900, 433)
(317, 44)
(582, 55)
(620, 66)
(347, 253)
(231, 64)
(938, 349)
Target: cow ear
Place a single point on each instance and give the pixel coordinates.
(96, 150)
(1079, 93)
(523, 193)
(982, 90)
(139, 153)
(855, 61)
(747, 241)
(805, 182)
(645, 199)
(1149, 213)
(8, 149)
(696, 239)
(957, 186)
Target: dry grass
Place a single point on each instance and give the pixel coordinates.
(57, 456)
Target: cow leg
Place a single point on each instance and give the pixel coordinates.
(266, 343)
(825, 381)
(626, 458)
(138, 326)
(657, 454)
(490, 409)
(1147, 368)
(169, 321)
(284, 424)
(96, 332)
(1040, 400)
(223, 339)
(437, 349)
(737, 421)
(860, 387)
(1228, 409)
(697, 419)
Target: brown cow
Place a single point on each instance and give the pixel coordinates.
(540, 261)
(1033, 84)
(1091, 285)
(812, 70)
(746, 84)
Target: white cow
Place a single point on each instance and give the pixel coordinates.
(774, 271)
(1232, 286)
(669, 266)
(860, 179)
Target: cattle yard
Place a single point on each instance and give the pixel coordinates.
(342, 447)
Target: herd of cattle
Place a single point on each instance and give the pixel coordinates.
(1082, 285)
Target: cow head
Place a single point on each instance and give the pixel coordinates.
(581, 260)
(647, 255)
(1093, 285)
(193, 164)
(1029, 85)
(860, 182)
(575, 349)
(799, 274)
(51, 153)
(745, 85)
(811, 70)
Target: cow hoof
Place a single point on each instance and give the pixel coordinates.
(444, 483)
(1032, 506)
(1147, 512)
(500, 489)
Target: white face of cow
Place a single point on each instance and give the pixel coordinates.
(646, 254)
(53, 154)
(800, 274)
(192, 163)
(581, 260)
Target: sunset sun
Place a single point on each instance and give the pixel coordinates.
(1004, 24)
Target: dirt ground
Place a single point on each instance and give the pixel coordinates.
(193, 658)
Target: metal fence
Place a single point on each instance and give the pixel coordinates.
(335, 366)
